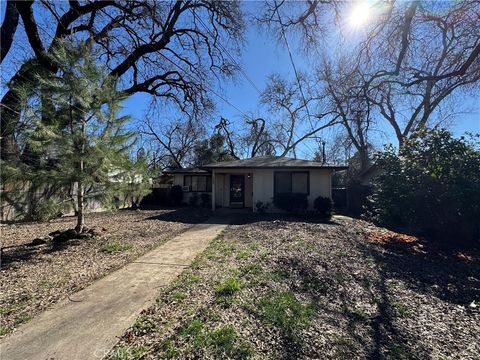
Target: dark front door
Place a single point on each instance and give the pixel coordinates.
(237, 190)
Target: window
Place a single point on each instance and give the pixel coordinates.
(198, 183)
(291, 182)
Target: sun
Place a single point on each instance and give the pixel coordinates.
(359, 14)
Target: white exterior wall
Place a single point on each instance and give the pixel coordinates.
(178, 180)
(263, 185)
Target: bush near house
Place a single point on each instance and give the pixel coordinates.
(193, 199)
(291, 202)
(206, 199)
(176, 195)
(432, 185)
(323, 206)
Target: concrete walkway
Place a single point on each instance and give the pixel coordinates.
(87, 325)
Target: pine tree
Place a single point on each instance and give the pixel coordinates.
(78, 136)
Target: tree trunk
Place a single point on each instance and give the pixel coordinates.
(80, 203)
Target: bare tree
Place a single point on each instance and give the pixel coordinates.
(167, 49)
(253, 140)
(174, 142)
(349, 102)
(414, 56)
(295, 125)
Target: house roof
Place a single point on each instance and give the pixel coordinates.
(191, 171)
(272, 162)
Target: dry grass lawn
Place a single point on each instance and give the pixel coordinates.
(34, 278)
(290, 289)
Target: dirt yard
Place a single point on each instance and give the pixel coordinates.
(34, 278)
(288, 289)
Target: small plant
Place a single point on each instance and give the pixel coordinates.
(129, 352)
(206, 199)
(178, 295)
(21, 318)
(228, 287)
(143, 325)
(402, 310)
(4, 330)
(116, 247)
(176, 195)
(261, 207)
(291, 202)
(193, 200)
(284, 311)
(46, 209)
(192, 330)
(224, 342)
(323, 206)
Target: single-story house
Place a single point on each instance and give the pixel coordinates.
(244, 183)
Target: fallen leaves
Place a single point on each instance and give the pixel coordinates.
(34, 278)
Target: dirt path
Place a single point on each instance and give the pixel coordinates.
(86, 326)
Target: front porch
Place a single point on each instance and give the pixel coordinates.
(232, 189)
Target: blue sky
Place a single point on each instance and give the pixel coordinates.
(261, 57)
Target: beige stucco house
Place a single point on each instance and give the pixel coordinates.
(244, 183)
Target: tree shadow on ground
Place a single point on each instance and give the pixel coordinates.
(428, 269)
(184, 215)
(26, 252)
(336, 300)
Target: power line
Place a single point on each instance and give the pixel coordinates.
(293, 66)
(226, 51)
(195, 78)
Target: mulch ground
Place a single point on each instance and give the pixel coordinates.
(35, 277)
(292, 289)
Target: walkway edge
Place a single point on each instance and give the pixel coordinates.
(89, 326)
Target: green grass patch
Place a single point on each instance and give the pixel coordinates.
(285, 312)
(224, 342)
(169, 350)
(399, 352)
(116, 247)
(228, 287)
(4, 330)
(21, 318)
(402, 310)
(178, 295)
(143, 325)
(129, 352)
(242, 255)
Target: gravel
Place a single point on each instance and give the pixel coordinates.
(375, 294)
(34, 278)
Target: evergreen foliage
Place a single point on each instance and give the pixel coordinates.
(432, 185)
(75, 137)
(323, 205)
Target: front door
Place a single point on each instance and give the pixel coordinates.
(237, 190)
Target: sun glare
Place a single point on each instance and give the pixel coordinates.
(359, 15)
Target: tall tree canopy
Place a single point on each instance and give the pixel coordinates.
(167, 49)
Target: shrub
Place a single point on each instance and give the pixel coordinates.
(261, 207)
(323, 205)
(46, 209)
(291, 202)
(193, 200)
(176, 195)
(206, 199)
(432, 185)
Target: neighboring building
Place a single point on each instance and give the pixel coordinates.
(243, 183)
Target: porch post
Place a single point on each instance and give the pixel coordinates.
(213, 190)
